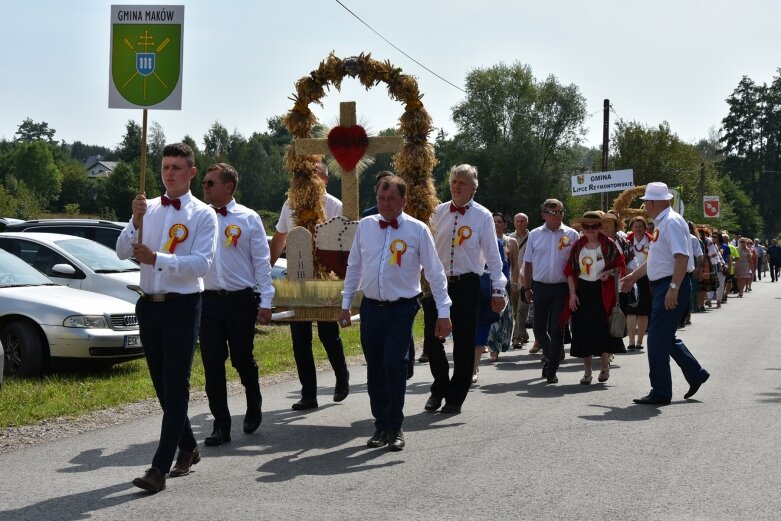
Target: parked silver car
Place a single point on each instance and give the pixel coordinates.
(42, 322)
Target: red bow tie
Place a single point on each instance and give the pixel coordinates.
(222, 210)
(176, 203)
(459, 209)
(393, 224)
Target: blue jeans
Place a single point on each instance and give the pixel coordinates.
(663, 343)
(386, 333)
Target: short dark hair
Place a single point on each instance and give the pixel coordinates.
(500, 214)
(552, 204)
(391, 180)
(180, 150)
(380, 176)
(228, 174)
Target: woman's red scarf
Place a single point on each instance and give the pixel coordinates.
(614, 259)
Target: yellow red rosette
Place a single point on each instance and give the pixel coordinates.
(397, 248)
(232, 234)
(564, 242)
(178, 233)
(655, 236)
(587, 262)
(464, 233)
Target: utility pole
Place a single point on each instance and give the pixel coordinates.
(605, 139)
(702, 184)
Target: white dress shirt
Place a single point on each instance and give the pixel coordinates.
(466, 243)
(671, 237)
(640, 249)
(181, 271)
(333, 208)
(385, 263)
(548, 250)
(242, 257)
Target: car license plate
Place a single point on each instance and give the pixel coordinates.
(133, 341)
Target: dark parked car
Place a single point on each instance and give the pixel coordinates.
(104, 232)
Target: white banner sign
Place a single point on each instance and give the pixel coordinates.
(597, 182)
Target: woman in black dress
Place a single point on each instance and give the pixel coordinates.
(591, 268)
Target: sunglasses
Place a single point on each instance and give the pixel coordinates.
(207, 182)
(591, 226)
(554, 212)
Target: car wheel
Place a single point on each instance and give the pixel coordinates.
(23, 350)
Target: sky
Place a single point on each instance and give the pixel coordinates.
(674, 61)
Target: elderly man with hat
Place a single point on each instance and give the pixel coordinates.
(669, 266)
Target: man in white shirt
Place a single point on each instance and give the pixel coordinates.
(179, 239)
(545, 283)
(238, 293)
(465, 237)
(301, 332)
(669, 266)
(385, 260)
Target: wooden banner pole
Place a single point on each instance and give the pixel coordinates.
(142, 177)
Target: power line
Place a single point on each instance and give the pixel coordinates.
(395, 47)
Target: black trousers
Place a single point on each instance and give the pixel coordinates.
(228, 327)
(386, 332)
(465, 294)
(549, 302)
(328, 332)
(168, 332)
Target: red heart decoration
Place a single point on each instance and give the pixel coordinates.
(348, 145)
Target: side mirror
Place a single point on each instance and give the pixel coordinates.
(64, 270)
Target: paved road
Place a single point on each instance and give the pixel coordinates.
(519, 450)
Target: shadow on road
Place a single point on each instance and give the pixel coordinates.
(75, 506)
(630, 413)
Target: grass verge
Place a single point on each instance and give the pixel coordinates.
(24, 401)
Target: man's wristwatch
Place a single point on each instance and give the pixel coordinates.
(673, 285)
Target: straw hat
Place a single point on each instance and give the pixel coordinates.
(590, 217)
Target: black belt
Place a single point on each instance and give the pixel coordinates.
(381, 303)
(462, 277)
(162, 297)
(548, 283)
(225, 292)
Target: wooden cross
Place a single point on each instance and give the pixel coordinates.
(377, 145)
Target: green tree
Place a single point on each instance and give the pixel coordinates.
(129, 149)
(217, 143)
(120, 189)
(32, 131)
(34, 164)
(520, 133)
(74, 184)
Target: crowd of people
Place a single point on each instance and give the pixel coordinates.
(205, 273)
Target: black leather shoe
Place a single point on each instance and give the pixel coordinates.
(184, 461)
(545, 371)
(341, 392)
(380, 439)
(152, 481)
(450, 409)
(252, 421)
(696, 387)
(433, 403)
(650, 400)
(553, 379)
(305, 404)
(218, 437)
(396, 441)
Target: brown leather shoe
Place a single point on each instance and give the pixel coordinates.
(184, 461)
(152, 481)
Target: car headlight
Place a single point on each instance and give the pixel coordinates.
(88, 321)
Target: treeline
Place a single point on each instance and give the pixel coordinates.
(524, 134)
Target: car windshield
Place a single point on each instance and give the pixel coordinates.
(14, 272)
(99, 258)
